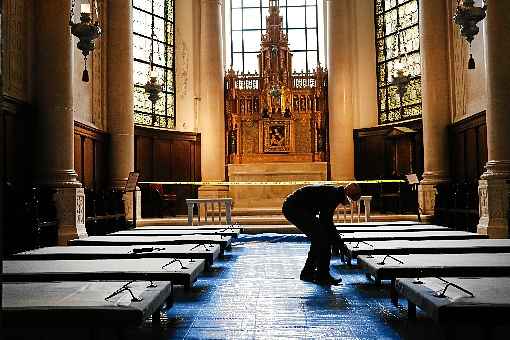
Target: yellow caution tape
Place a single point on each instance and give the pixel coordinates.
(375, 181)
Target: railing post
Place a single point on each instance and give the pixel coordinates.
(228, 211)
(190, 211)
(366, 202)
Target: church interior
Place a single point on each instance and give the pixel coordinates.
(147, 147)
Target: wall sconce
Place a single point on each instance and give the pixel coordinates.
(467, 17)
(86, 31)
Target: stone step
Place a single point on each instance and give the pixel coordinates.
(256, 211)
(272, 219)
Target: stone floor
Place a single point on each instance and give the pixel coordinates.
(254, 293)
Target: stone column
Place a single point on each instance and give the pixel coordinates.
(434, 21)
(211, 115)
(54, 122)
(494, 184)
(340, 92)
(120, 96)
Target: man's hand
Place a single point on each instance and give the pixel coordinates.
(353, 191)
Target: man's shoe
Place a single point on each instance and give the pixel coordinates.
(307, 276)
(327, 280)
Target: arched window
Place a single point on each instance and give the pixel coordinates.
(303, 21)
(398, 45)
(153, 46)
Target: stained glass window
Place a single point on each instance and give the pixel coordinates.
(302, 21)
(397, 45)
(153, 40)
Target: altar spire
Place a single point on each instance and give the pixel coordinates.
(276, 115)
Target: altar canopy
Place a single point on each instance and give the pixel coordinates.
(276, 115)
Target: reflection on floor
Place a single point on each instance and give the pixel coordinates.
(255, 293)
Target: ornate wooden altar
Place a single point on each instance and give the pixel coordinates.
(276, 115)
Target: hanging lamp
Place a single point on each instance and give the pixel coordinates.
(467, 17)
(86, 31)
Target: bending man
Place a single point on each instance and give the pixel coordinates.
(311, 209)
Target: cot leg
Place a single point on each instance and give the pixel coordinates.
(393, 293)
(156, 319)
(411, 310)
(187, 285)
(448, 331)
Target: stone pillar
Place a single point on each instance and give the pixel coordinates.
(211, 115)
(54, 156)
(493, 187)
(434, 21)
(340, 92)
(120, 97)
(120, 91)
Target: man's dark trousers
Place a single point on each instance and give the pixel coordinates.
(320, 236)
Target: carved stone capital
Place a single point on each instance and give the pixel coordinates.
(70, 204)
(493, 207)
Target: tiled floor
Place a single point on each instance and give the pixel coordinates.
(254, 293)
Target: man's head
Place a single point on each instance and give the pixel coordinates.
(353, 191)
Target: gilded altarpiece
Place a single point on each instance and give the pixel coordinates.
(276, 115)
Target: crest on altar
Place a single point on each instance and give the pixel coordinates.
(276, 115)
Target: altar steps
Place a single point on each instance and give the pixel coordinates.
(269, 217)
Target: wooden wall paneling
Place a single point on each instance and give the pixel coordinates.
(404, 155)
(78, 157)
(163, 155)
(471, 154)
(88, 162)
(162, 161)
(458, 170)
(91, 156)
(18, 142)
(10, 145)
(368, 161)
(145, 157)
(3, 147)
(197, 174)
(17, 177)
(183, 169)
(482, 148)
(101, 162)
(380, 150)
(468, 148)
(182, 163)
